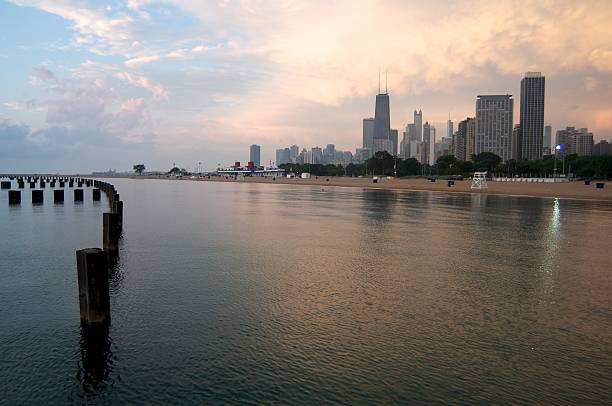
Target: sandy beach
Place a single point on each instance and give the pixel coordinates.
(566, 190)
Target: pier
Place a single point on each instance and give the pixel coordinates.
(92, 263)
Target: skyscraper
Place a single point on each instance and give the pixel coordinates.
(382, 124)
(428, 150)
(408, 149)
(546, 147)
(575, 141)
(449, 128)
(470, 138)
(494, 125)
(459, 140)
(255, 154)
(329, 154)
(404, 144)
(393, 138)
(294, 152)
(282, 156)
(532, 116)
(317, 155)
(418, 125)
(514, 142)
(432, 145)
(368, 133)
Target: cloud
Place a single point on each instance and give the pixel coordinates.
(156, 89)
(93, 25)
(602, 59)
(41, 75)
(141, 60)
(90, 107)
(30, 105)
(177, 54)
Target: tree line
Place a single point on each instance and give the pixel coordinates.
(385, 164)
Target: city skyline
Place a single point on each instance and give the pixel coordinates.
(98, 87)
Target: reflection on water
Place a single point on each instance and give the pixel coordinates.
(244, 293)
(96, 358)
(116, 272)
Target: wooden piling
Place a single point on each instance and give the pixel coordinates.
(6, 185)
(78, 195)
(58, 196)
(96, 194)
(94, 297)
(110, 232)
(14, 197)
(37, 196)
(117, 207)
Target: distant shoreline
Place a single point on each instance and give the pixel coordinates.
(567, 190)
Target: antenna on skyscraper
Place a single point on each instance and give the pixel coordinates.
(378, 80)
(386, 89)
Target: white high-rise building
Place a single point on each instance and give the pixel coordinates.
(429, 141)
(494, 125)
(418, 125)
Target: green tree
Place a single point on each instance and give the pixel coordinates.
(486, 161)
(139, 168)
(445, 164)
(382, 163)
(408, 167)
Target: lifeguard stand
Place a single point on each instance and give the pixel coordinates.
(479, 181)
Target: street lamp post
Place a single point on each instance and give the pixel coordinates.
(395, 166)
(558, 148)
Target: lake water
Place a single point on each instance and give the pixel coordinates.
(258, 294)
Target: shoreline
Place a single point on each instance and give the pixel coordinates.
(566, 190)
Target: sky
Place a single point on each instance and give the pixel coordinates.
(94, 85)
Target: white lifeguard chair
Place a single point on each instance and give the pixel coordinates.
(479, 181)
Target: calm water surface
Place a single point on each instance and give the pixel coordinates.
(246, 293)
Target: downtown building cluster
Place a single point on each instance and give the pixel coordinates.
(315, 155)
(491, 129)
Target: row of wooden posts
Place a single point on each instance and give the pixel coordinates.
(92, 263)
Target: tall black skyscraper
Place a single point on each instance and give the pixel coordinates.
(532, 116)
(382, 123)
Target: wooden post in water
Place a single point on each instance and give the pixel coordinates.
(78, 195)
(110, 232)
(37, 196)
(14, 197)
(58, 196)
(6, 185)
(117, 207)
(20, 184)
(94, 297)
